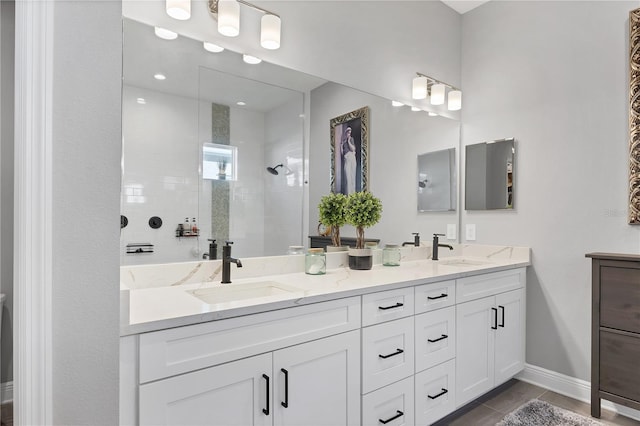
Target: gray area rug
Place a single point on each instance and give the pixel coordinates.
(540, 413)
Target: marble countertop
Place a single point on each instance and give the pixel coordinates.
(146, 308)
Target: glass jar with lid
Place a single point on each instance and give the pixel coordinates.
(391, 255)
(315, 262)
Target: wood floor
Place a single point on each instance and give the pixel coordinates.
(491, 408)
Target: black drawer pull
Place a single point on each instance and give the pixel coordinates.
(397, 352)
(502, 309)
(266, 410)
(285, 403)
(495, 319)
(397, 305)
(444, 336)
(384, 422)
(437, 297)
(438, 395)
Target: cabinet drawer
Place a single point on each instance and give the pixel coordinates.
(387, 353)
(391, 402)
(435, 296)
(619, 370)
(435, 390)
(435, 337)
(178, 350)
(478, 286)
(620, 298)
(387, 306)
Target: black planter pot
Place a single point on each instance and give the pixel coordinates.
(360, 259)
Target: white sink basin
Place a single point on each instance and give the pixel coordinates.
(462, 261)
(223, 293)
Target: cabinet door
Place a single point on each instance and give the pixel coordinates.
(318, 383)
(229, 394)
(509, 350)
(475, 345)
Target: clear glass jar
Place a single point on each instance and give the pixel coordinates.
(293, 250)
(315, 262)
(391, 255)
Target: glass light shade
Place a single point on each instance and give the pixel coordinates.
(455, 100)
(251, 59)
(210, 47)
(229, 18)
(270, 32)
(159, 76)
(419, 88)
(437, 94)
(178, 9)
(415, 109)
(396, 104)
(165, 33)
(432, 114)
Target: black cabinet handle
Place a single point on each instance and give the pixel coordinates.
(502, 309)
(384, 308)
(399, 414)
(495, 319)
(266, 410)
(438, 395)
(397, 352)
(285, 403)
(437, 297)
(444, 336)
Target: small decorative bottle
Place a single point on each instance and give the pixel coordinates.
(187, 227)
(194, 227)
(391, 255)
(315, 262)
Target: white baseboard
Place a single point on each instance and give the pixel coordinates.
(571, 387)
(6, 392)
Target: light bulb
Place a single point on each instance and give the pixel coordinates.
(178, 9)
(437, 94)
(210, 47)
(419, 87)
(270, 32)
(455, 100)
(165, 33)
(229, 18)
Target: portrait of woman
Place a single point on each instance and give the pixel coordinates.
(349, 152)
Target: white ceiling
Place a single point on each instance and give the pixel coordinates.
(463, 6)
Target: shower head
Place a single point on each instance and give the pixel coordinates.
(273, 170)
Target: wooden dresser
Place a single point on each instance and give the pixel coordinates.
(615, 338)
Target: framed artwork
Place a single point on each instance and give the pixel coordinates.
(350, 152)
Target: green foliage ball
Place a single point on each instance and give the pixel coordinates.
(332, 209)
(363, 209)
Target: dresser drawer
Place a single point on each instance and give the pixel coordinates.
(619, 368)
(435, 393)
(393, 405)
(479, 286)
(620, 298)
(387, 353)
(435, 337)
(435, 296)
(387, 305)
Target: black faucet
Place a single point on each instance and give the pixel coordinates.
(436, 244)
(415, 242)
(213, 251)
(226, 262)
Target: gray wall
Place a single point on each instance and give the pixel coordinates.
(555, 76)
(7, 48)
(86, 204)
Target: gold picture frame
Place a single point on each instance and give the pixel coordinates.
(634, 117)
(350, 152)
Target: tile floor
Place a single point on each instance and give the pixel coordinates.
(6, 414)
(492, 407)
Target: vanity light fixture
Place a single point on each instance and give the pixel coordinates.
(227, 13)
(396, 104)
(424, 86)
(178, 9)
(213, 48)
(251, 59)
(160, 76)
(415, 109)
(165, 34)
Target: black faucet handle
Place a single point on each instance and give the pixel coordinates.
(228, 242)
(209, 239)
(415, 233)
(438, 235)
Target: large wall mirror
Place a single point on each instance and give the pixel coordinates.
(437, 181)
(489, 173)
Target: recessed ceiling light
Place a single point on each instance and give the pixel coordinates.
(396, 104)
(210, 47)
(141, 101)
(165, 33)
(415, 109)
(160, 76)
(251, 59)
(241, 103)
(432, 114)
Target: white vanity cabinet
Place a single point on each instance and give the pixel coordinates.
(490, 332)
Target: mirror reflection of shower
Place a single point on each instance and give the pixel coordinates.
(273, 170)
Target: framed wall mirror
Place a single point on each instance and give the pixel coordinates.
(437, 181)
(489, 175)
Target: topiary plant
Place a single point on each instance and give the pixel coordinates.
(362, 211)
(332, 214)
